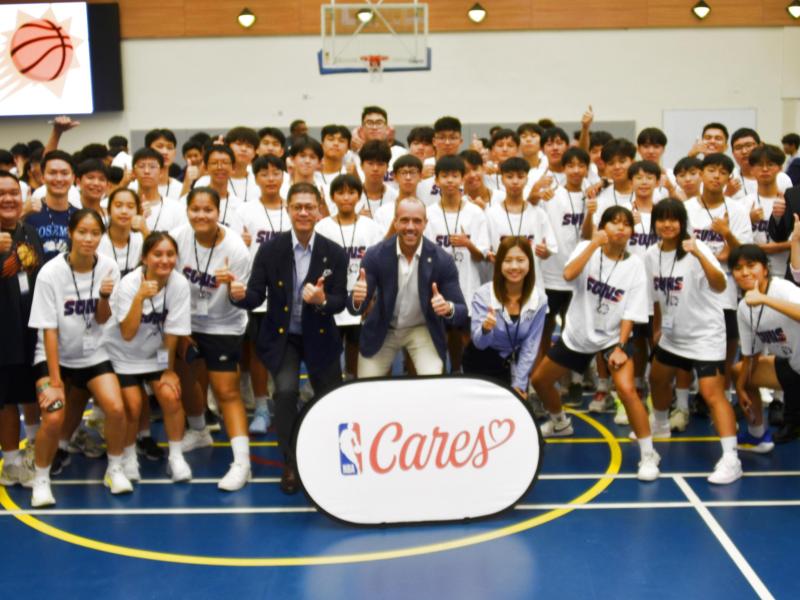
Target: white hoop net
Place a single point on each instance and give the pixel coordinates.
(374, 64)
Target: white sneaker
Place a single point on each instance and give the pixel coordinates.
(602, 402)
(193, 439)
(552, 429)
(19, 473)
(679, 420)
(648, 466)
(116, 481)
(178, 469)
(42, 495)
(727, 470)
(236, 477)
(620, 417)
(260, 422)
(659, 432)
(130, 467)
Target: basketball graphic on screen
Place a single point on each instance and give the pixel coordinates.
(41, 50)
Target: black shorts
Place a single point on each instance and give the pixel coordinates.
(558, 302)
(221, 352)
(643, 330)
(787, 377)
(577, 361)
(704, 368)
(17, 385)
(487, 362)
(254, 320)
(126, 380)
(350, 333)
(731, 325)
(78, 378)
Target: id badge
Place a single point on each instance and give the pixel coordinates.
(601, 318)
(162, 357)
(201, 307)
(667, 322)
(353, 269)
(89, 343)
(22, 278)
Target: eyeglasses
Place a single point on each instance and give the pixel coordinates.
(299, 208)
(374, 123)
(407, 173)
(744, 147)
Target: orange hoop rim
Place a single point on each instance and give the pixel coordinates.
(374, 61)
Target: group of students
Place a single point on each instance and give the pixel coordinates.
(141, 287)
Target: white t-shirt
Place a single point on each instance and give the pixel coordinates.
(739, 223)
(777, 261)
(384, 217)
(324, 180)
(127, 257)
(611, 197)
(57, 304)
(355, 239)
(244, 188)
(768, 329)
(159, 318)
(604, 294)
(532, 223)
(750, 185)
(171, 189)
(212, 311)
(373, 206)
(73, 195)
(428, 191)
(565, 210)
(692, 321)
(470, 220)
(165, 214)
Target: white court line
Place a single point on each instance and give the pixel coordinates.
(752, 578)
(550, 477)
(246, 510)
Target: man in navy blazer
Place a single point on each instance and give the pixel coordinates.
(304, 275)
(409, 287)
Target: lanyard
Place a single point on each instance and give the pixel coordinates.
(127, 253)
(667, 290)
(572, 210)
(237, 194)
(513, 341)
(159, 317)
(169, 181)
(203, 275)
(705, 206)
(641, 221)
(380, 203)
(455, 227)
(508, 216)
(341, 232)
(269, 220)
(225, 214)
(77, 292)
(616, 202)
(754, 330)
(605, 283)
(160, 210)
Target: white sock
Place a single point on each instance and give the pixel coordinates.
(661, 417)
(602, 384)
(241, 449)
(756, 430)
(175, 450)
(728, 444)
(30, 432)
(576, 377)
(129, 452)
(143, 434)
(728, 396)
(197, 423)
(777, 395)
(11, 457)
(559, 417)
(43, 472)
(63, 444)
(261, 402)
(114, 460)
(97, 412)
(682, 399)
(645, 444)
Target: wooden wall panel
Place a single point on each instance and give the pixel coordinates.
(201, 18)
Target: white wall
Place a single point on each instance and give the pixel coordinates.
(513, 76)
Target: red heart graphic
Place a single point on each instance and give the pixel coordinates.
(496, 427)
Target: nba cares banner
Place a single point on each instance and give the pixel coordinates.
(414, 450)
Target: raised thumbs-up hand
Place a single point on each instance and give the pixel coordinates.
(490, 321)
(360, 288)
(5, 242)
(779, 208)
(246, 237)
(796, 230)
(440, 306)
(690, 246)
(107, 284)
(754, 297)
(237, 290)
(721, 225)
(587, 118)
(314, 293)
(224, 275)
(541, 249)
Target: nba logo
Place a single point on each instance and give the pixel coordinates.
(350, 448)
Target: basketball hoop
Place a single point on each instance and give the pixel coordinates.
(374, 64)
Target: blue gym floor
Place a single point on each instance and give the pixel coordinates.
(587, 529)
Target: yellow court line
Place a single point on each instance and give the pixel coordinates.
(614, 464)
(625, 440)
(227, 444)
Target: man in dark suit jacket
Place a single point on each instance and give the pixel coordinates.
(414, 284)
(781, 223)
(305, 277)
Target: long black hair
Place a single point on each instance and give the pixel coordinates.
(672, 208)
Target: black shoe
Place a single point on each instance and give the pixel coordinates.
(775, 413)
(60, 460)
(790, 430)
(289, 482)
(697, 406)
(148, 448)
(212, 421)
(574, 397)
